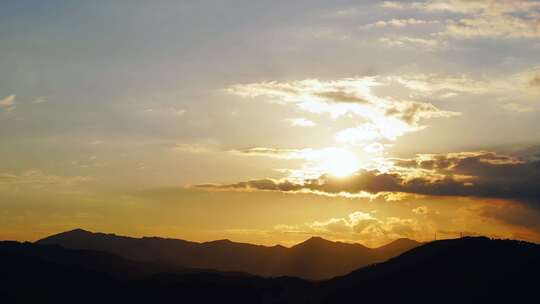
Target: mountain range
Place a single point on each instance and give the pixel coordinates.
(314, 259)
(465, 270)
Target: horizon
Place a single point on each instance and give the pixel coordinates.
(485, 269)
(308, 238)
(269, 122)
(217, 240)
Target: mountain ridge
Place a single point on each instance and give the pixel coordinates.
(469, 269)
(88, 232)
(308, 259)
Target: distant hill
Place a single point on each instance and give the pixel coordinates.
(316, 258)
(467, 270)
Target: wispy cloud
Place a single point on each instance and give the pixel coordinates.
(166, 110)
(39, 179)
(399, 23)
(426, 44)
(192, 148)
(483, 18)
(353, 96)
(301, 122)
(41, 99)
(393, 5)
(519, 85)
(518, 107)
(8, 103)
(274, 152)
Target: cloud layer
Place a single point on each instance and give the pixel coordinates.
(365, 227)
(384, 117)
(482, 18)
(476, 174)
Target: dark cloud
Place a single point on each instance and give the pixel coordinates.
(513, 215)
(341, 96)
(478, 174)
(261, 184)
(412, 112)
(270, 152)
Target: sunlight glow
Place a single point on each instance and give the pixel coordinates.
(339, 162)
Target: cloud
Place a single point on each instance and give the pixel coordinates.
(474, 174)
(261, 184)
(41, 99)
(517, 85)
(177, 112)
(433, 83)
(413, 43)
(511, 214)
(353, 96)
(400, 118)
(301, 122)
(501, 26)
(363, 133)
(393, 5)
(412, 112)
(535, 81)
(166, 110)
(518, 221)
(483, 18)
(399, 23)
(191, 148)
(421, 210)
(332, 160)
(8, 102)
(341, 96)
(518, 107)
(375, 147)
(489, 7)
(274, 152)
(40, 180)
(301, 91)
(363, 227)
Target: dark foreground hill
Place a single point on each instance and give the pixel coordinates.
(52, 274)
(468, 270)
(315, 258)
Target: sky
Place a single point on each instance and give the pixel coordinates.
(270, 121)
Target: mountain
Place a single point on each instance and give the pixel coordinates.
(319, 258)
(102, 262)
(467, 270)
(34, 273)
(314, 259)
(470, 270)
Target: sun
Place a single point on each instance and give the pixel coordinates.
(339, 163)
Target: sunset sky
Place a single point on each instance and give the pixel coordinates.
(270, 121)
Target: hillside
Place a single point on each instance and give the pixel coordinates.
(450, 271)
(315, 258)
(468, 270)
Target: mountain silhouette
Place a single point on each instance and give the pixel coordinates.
(52, 274)
(314, 259)
(467, 270)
